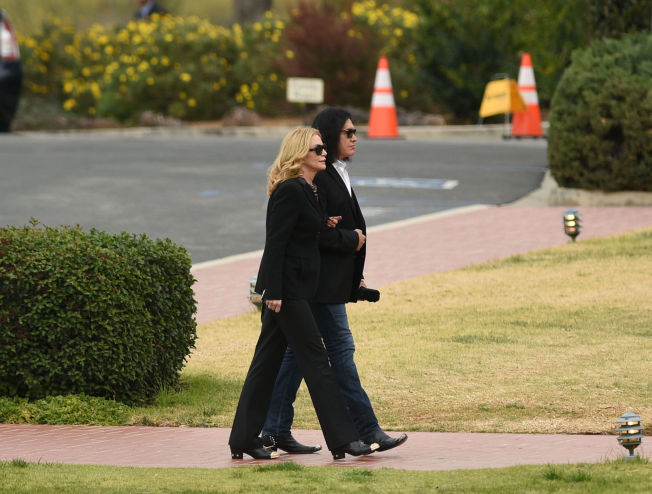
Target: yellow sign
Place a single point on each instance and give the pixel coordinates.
(501, 96)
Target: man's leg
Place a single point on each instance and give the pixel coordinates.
(333, 324)
(280, 414)
(334, 327)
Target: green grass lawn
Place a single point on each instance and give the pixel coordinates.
(552, 341)
(612, 477)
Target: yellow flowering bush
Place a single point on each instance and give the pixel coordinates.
(188, 68)
(45, 59)
(261, 84)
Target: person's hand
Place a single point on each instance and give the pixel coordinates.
(332, 221)
(361, 239)
(274, 305)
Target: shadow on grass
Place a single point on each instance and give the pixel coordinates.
(202, 400)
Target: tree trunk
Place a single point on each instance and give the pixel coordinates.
(250, 10)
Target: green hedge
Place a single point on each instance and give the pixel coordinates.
(600, 135)
(95, 313)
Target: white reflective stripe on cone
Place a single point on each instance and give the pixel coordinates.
(526, 77)
(383, 80)
(530, 97)
(382, 99)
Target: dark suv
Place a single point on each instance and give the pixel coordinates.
(11, 73)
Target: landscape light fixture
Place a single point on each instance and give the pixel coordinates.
(630, 433)
(254, 297)
(572, 223)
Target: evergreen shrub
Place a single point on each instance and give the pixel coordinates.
(600, 135)
(108, 315)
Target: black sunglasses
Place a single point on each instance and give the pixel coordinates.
(318, 149)
(349, 132)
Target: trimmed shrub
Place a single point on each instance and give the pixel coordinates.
(95, 313)
(600, 135)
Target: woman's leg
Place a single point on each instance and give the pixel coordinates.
(298, 325)
(259, 383)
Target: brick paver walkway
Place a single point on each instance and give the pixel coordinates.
(429, 244)
(196, 447)
(396, 252)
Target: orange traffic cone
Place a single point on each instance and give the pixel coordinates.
(527, 123)
(382, 118)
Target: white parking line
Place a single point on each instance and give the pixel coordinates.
(404, 183)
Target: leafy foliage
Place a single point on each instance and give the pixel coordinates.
(186, 68)
(462, 44)
(615, 18)
(341, 42)
(441, 55)
(322, 44)
(600, 133)
(190, 69)
(106, 315)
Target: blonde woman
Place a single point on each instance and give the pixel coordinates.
(288, 278)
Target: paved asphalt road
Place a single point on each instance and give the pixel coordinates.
(207, 192)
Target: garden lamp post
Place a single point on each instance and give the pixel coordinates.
(630, 433)
(572, 223)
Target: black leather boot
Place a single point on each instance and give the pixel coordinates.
(384, 441)
(356, 448)
(287, 443)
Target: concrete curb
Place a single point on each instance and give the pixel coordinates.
(492, 131)
(550, 193)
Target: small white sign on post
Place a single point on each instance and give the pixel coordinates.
(305, 90)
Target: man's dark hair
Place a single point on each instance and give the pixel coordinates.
(329, 123)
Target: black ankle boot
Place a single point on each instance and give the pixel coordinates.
(260, 453)
(384, 441)
(356, 448)
(287, 443)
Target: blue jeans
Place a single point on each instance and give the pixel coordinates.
(334, 327)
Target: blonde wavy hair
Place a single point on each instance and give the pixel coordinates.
(288, 164)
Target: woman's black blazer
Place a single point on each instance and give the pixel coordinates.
(289, 268)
